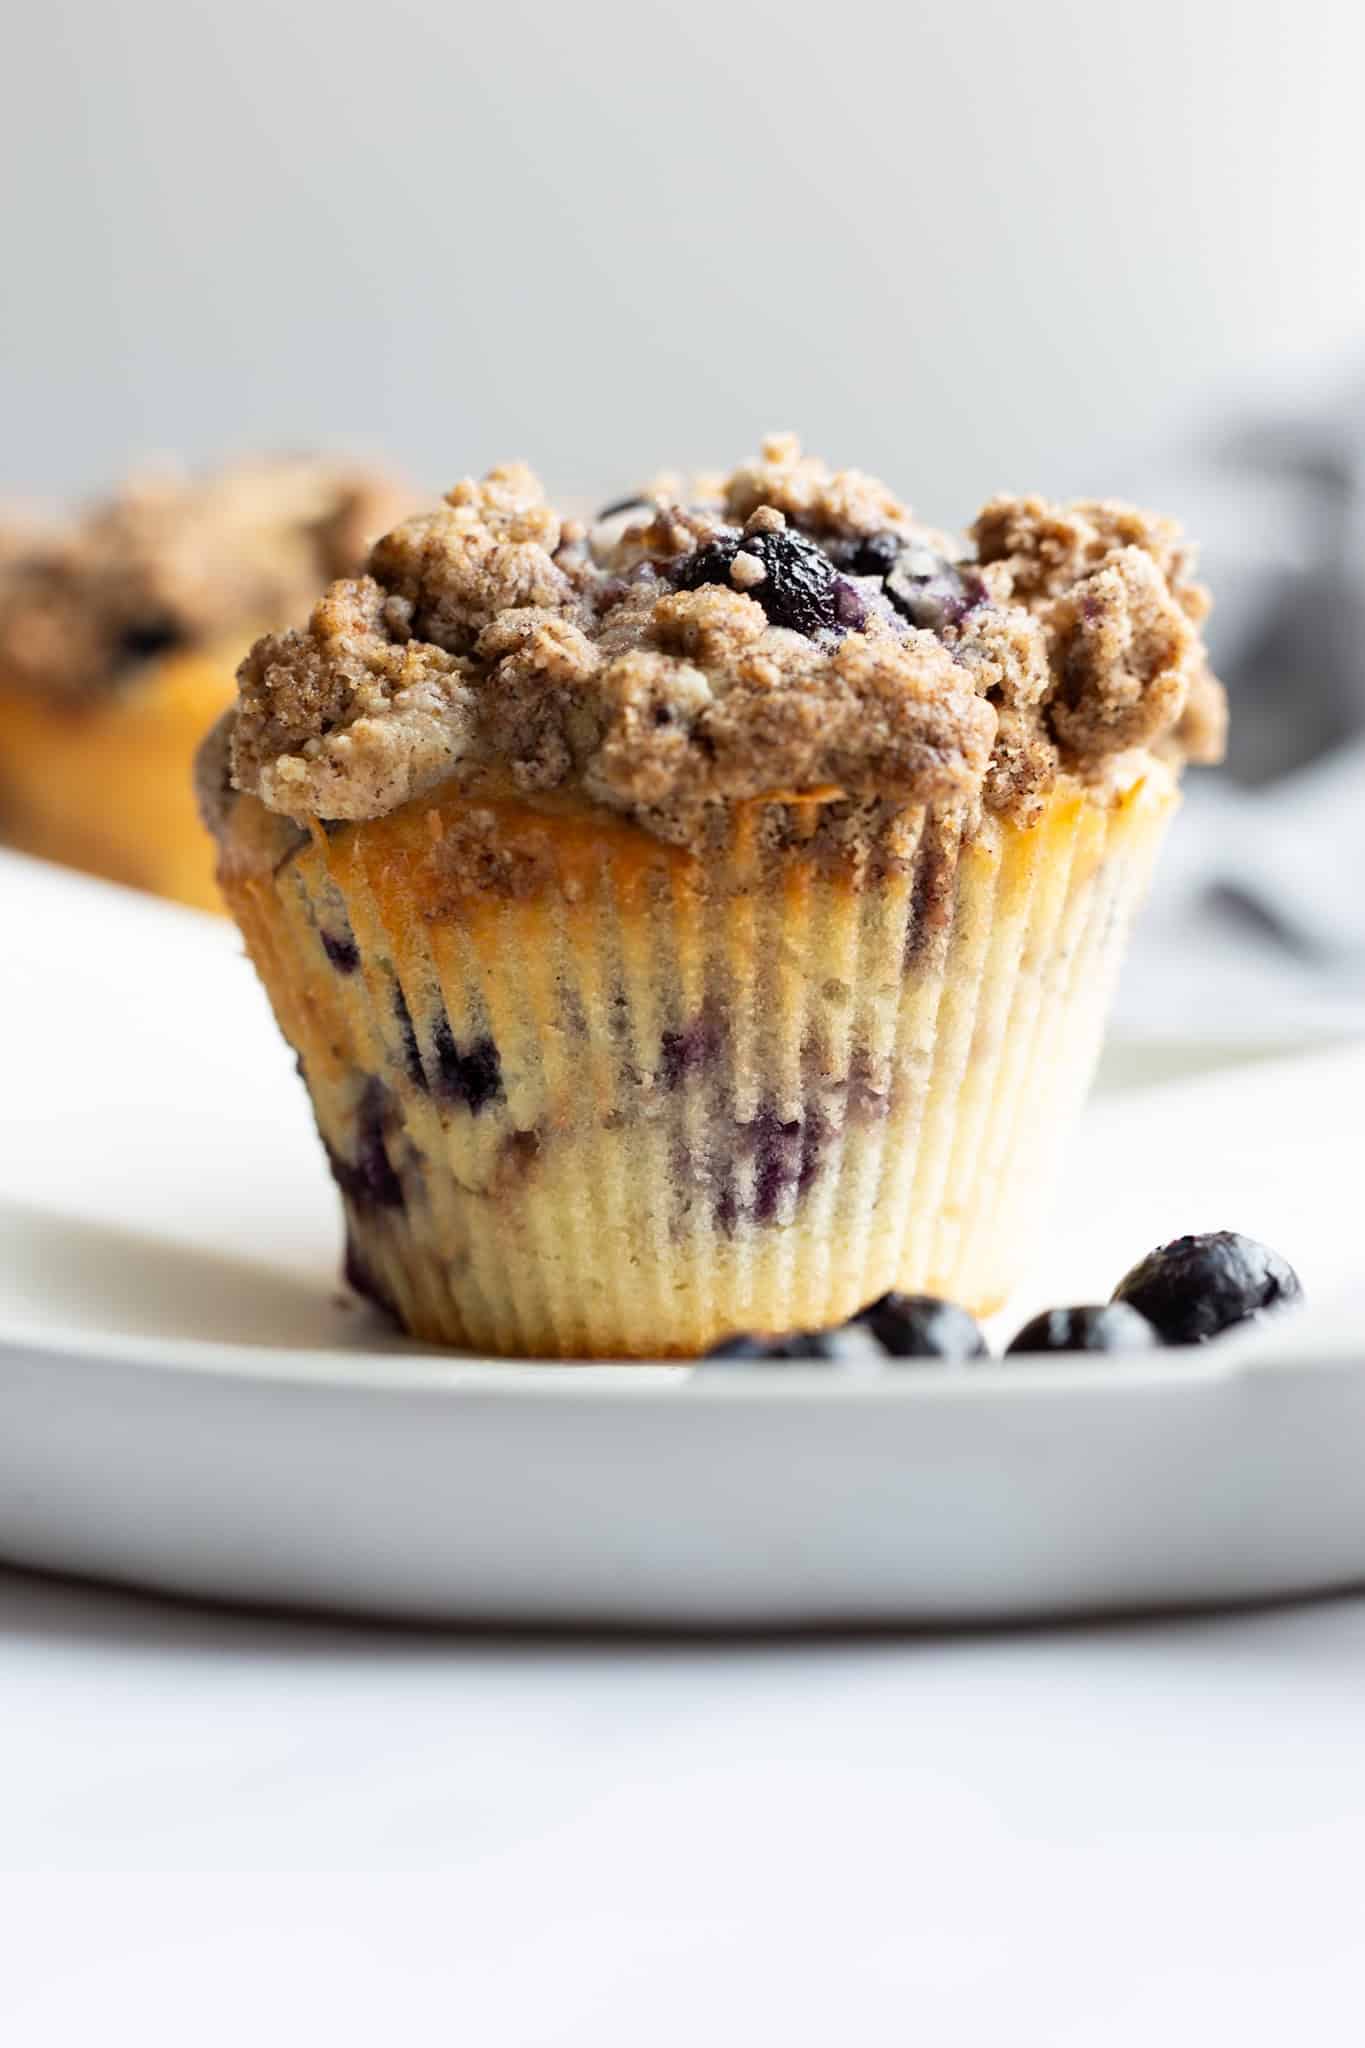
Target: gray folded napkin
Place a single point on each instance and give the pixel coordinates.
(1256, 928)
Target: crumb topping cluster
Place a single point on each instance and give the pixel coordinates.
(171, 564)
(787, 628)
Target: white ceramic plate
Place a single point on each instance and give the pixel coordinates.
(187, 1402)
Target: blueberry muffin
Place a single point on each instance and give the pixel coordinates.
(705, 921)
(119, 637)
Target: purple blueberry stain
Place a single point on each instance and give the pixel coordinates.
(815, 1133)
(469, 1075)
(341, 950)
(931, 901)
(407, 1034)
(691, 1050)
(775, 1143)
(850, 612)
(787, 1154)
(519, 1152)
(931, 591)
(369, 1180)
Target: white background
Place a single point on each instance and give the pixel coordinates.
(229, 1830)
(970, 247)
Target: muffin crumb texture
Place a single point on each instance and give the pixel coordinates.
(172, 564)
(788, 629)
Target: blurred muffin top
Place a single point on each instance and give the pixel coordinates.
(172, 563)
(784, 629)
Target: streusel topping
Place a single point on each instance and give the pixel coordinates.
(171, 564)
(786, 629)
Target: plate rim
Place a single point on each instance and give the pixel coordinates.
(1334, 1347)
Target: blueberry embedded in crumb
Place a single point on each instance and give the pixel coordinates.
(867, 554)
(923, 1326)
(1107, 1326)
(929, 590)
(845, 1344)
(370, 1179)
(799, 587)
(470, 1074)
(145, 639)
(412, 1054)
(377, 1176)
(848, 1344)
(343, 953)
(777, 1145)
(691, 1050)
(1198, 1286)
(849, 610)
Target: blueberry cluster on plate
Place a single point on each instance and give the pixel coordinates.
(1184, 1292)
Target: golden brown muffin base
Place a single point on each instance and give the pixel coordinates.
(609, 1099)
(106, 783)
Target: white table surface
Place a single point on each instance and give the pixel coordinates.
(227, 1828)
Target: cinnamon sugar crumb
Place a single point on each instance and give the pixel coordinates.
(173, 563)
(492, 638)
(746, 570)
(836, 502)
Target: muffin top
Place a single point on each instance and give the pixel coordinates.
(786, 629)
(169, 564)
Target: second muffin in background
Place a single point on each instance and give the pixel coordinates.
(705, 923)
(120, 633)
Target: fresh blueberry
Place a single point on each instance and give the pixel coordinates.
(799, 587)
(1110, 1326)
(922, 1326)
(846, 1344)
(742, 1346)
(1196, 1287)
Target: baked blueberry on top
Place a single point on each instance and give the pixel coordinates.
(725, 896)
